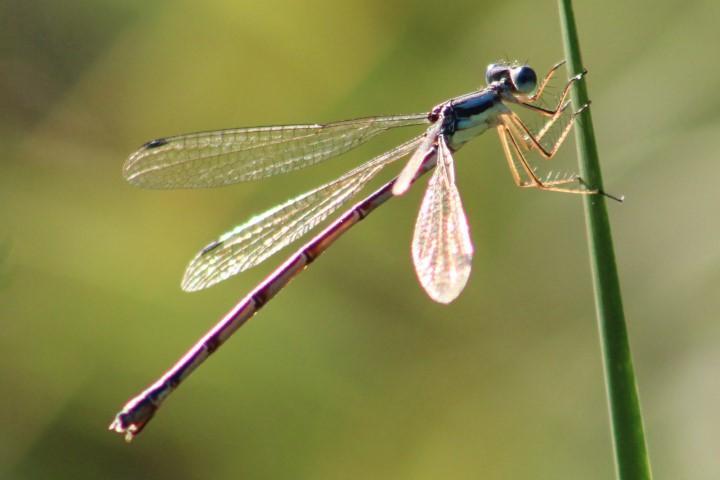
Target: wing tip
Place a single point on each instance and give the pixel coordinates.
(446, 293)
(190, 283)
(137, 172)
(210, 247)
(158, 142)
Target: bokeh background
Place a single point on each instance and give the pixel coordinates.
(352, 372)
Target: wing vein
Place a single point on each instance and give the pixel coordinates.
(224, 157)
(442, 249)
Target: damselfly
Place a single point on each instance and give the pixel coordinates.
(441, 247)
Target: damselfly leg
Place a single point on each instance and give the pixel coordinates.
(515, 156)
(548, 76)
(516, 137)
(554, 114)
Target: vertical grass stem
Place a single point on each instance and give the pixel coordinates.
(631, 458)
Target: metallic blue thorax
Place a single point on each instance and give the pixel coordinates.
(472, 114)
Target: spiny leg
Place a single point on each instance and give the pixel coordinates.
(502, 133)
(549, 124)
(507, 139)
(507, 132)
(520, 134)
(545, 81)
(554, 114)
(562, 104)
(510, 145)
(512, 119)
(549, 112)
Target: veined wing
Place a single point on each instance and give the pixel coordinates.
(263, 235)
(223, 157)
(441, 248)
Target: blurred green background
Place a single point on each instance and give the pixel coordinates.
(352, 372)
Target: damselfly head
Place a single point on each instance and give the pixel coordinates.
(520, 78)
(497, 72)
(523, 79)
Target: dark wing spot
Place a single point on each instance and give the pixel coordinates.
(158, 142)
(211, 247)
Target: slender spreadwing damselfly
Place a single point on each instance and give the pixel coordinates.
(441, 247)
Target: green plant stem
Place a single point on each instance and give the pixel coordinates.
(631, 459)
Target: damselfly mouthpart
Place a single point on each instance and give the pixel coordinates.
(442, 249)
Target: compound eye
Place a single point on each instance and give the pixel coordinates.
(495, 73)
(524, 79)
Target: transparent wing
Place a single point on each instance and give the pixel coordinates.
(223, 157)
(404, 180)
(263, 235)
(441, 248)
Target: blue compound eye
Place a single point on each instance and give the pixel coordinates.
(524, 79)
(495, 73)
